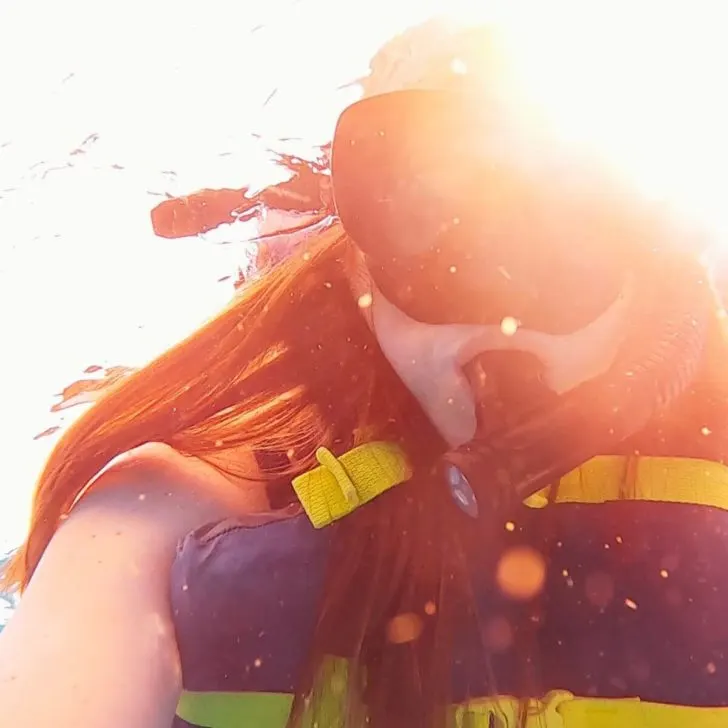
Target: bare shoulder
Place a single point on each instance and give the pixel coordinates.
(100, 595)
(156, 473)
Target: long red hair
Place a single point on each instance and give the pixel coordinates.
(290, 366)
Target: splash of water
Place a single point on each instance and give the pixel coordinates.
(285, 214)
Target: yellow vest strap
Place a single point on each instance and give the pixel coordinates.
(340, 485)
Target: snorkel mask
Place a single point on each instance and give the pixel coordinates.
(481, 223)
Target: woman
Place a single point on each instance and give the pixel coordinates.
(458, 462)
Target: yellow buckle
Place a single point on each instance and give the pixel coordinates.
(505, 712)
(340, 485)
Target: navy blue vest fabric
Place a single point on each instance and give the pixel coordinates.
(245, 603)
(634, 604)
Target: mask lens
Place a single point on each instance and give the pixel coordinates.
(402, 169)
(468, 213)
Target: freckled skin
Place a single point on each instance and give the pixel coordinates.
(110, 611)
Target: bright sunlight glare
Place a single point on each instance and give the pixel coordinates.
(644, 82)
(106, 109)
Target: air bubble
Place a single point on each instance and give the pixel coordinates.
(509, 326)
(404, 628)
(458, 66)
(521, 573)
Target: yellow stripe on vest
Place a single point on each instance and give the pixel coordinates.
(670, 480)
(268, 710)
(561, 709)
(235, 710)
(558, 709)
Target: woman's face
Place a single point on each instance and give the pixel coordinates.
(454, 369)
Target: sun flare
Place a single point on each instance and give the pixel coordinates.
(641, 82)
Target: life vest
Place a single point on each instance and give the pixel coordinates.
(262, 622)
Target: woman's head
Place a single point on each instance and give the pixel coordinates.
(493, 253)
(288, 367)
(451, 237)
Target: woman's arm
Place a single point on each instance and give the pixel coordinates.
(92, 642)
